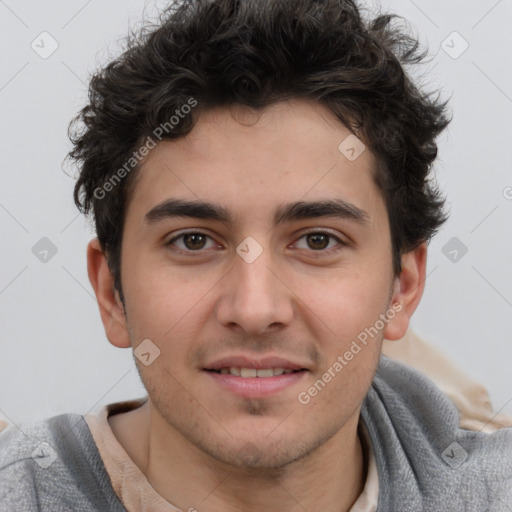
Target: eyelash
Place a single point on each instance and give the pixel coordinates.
(340, 243)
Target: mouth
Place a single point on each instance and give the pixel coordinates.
(250, 373)
(249, 378)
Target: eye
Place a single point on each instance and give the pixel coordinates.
(192, 241)
(318, 241)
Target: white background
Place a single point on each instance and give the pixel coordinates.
(54, 356)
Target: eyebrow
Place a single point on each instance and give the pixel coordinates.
(299, 210)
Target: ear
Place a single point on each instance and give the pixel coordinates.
(407, 292)
(111, 308)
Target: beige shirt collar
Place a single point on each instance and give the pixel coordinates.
(134, 490)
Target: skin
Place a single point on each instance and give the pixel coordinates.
(202, 446)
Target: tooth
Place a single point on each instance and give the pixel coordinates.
(248, 372)
(267, 372)
(253, 372)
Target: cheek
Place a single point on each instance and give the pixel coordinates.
(347, 303)
(157, 297)
(171, 310)
(348, 312)
(151, 306)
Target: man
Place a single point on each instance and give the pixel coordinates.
(258, 172)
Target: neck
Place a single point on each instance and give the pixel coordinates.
(329, 478)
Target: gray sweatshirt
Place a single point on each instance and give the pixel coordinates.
(425, 462)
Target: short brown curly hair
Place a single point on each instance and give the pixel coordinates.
(256, 53)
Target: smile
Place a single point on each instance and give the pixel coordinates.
(255, 382)
(253, 372)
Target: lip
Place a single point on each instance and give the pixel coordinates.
(251, 362)
(256, 387)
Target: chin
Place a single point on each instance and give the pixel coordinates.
(260, 455)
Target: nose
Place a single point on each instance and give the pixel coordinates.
(254, 298)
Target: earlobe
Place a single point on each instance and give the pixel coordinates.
(111, 309)
(408, 290)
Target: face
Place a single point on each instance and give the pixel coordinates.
(254, 256)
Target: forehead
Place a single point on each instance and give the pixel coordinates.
(246, 159)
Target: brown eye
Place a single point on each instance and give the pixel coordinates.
(318, 241)
(321, 242)
(194, 241)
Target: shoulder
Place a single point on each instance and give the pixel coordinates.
(27, 444)
(32, 464)
(52, 464)
(36, 444)
(415, 433)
